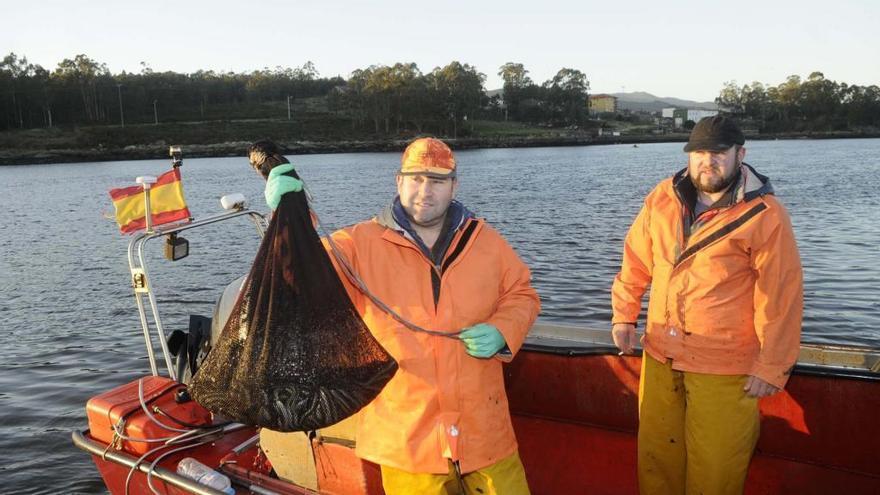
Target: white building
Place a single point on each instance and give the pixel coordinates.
(696, 115)
(681, 115)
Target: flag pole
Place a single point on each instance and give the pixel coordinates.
(147, 182)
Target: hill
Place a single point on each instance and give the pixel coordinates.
(646, 102)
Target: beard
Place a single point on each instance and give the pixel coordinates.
(715, 184)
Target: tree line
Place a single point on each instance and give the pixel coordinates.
(379, 99)
(814, 104)
(82, 91)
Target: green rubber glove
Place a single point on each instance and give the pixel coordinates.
(278, 184)
(483, 340)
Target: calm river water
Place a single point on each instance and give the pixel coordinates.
(69, 323)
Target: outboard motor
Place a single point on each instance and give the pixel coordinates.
(224, 306)
(190, 348)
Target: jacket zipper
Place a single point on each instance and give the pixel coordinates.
(452, 252)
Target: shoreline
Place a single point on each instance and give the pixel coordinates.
(159, 151)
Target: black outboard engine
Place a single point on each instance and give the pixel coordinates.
(190, 348)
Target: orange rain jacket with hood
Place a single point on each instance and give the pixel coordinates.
(726, 288)
(442, 403)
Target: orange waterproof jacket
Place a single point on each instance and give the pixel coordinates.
(726, 297)
(442, 403)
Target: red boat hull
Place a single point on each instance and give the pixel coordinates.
(576, 419)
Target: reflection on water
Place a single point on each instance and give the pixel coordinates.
(71, 329)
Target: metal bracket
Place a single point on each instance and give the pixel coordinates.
(139, 281)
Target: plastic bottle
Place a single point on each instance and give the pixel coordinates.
(201, 473)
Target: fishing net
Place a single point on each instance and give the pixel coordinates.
(294, 355)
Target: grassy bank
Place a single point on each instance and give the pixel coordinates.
(307, 134)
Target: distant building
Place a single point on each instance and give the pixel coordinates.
(605, 132)
(681, 115)
(602, 103)
(697, 115)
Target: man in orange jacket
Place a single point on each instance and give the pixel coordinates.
(724, 314)
(442, 424)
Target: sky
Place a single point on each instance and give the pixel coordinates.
(683, 49)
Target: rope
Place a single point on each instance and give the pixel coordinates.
(356, 280)
(117, 430)
(190, 425)
(154, 463)
(164, 455)
(137, 463)
(149, 414)
(189, 435)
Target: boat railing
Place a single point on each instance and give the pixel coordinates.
(83, 441)
(140, 278)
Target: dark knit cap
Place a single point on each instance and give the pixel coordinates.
(715, 133)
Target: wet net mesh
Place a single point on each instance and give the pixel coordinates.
(294, 355)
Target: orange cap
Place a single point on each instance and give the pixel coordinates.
(428, 156)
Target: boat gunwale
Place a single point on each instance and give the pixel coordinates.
(829, 360)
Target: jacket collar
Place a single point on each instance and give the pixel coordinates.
(749, 185)
(394, 217)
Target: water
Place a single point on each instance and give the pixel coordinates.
(68, 318)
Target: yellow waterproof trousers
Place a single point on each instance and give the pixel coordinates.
(505, 477)
(697, 431)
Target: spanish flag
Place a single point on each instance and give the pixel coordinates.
(166, 203)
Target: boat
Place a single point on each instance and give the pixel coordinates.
(573, 401)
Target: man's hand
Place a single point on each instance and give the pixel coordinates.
(278, 184)
(624, 335)
(755, 387)
(482, 341)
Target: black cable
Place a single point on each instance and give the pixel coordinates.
(189, 425)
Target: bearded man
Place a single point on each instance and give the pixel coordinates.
(724, 315)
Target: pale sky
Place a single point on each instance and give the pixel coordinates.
(684, 49)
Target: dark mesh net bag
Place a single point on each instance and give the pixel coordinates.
(294, 354)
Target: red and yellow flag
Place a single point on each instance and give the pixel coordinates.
(166, 203)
